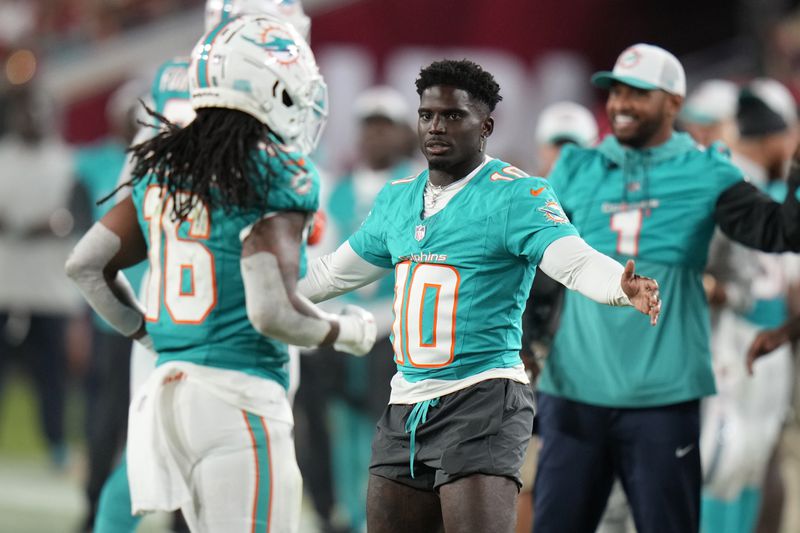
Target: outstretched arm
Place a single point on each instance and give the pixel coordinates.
(752, 218)
(578, 266)
(269, 264)
(337, 273)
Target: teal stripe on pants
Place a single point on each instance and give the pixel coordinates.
(263, 503)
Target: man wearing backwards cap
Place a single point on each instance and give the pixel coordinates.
(617, 400)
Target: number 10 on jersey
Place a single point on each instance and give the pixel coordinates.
(425, 304)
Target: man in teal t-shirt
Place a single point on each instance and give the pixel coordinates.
(619, 399)
(464, 238)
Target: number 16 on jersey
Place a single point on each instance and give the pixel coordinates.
(185, 275)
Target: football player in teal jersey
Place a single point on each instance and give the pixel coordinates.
(619, 400)
(464, 238)
(219, 208)
(169, 97)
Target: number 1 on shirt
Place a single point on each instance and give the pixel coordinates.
(628, 226)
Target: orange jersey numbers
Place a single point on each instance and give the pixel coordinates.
(509, 173)
(425, 304)
(183, 270)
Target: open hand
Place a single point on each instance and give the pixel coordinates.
(642, 292)
(764, 343)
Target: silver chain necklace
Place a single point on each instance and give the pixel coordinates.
(432, 194)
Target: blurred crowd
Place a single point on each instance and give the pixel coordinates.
(55, 26)
(49, 192)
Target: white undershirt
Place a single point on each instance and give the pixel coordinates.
(436, 198)
(568, 260)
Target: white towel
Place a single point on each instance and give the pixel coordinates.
(156, 479)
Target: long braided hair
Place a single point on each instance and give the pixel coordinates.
(214, 159)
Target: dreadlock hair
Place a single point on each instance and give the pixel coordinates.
(215, 159)
(464, 74)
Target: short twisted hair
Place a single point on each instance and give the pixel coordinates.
(464, 74)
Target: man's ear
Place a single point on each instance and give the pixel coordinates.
(674, 104)
(487, 127)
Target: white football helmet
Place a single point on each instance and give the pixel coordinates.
(263, 67)
(286, 10)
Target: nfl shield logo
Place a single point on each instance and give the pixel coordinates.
(419, 233)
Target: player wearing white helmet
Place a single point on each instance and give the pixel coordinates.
(219, 207)
(170, 98)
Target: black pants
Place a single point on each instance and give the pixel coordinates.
(108, 392)
(38, 341)
(482, 429)
(653, 451)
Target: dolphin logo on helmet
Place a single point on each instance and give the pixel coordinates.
(263, 67)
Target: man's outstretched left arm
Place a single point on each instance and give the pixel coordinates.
(578, 266)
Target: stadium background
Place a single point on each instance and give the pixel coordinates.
(541, 51)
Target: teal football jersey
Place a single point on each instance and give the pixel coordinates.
(462, 275)
(194, 294)
(655, 206)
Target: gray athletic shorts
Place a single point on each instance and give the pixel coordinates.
(483, 429)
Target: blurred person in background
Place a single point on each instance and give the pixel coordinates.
(211, 429)
(169, 96)
(618, 400)
(36, 227)
(709, 114)
(743, 422)
(559, 124)
(97, 169)
(363, 391)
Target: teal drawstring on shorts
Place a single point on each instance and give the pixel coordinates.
(417, 416)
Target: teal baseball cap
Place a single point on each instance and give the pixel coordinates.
(647, 67)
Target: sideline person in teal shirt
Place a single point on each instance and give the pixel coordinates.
(618, 399)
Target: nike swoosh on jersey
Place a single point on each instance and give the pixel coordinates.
(682, 452)
(537, 192)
